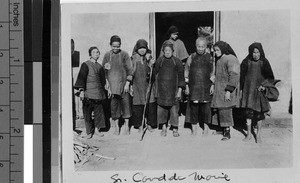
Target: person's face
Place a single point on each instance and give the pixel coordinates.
(95, 54)
(174, 36)
(142, 51)
(217, 51)
(115, 46)
(256, 54)
(201, 46)
(168, 52)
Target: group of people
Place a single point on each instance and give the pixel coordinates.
(144, 92)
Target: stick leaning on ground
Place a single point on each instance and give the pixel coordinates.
(148, 93)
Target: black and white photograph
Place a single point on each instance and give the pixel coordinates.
(177, 92)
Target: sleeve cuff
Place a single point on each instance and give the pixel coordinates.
(230, 88)
(129, 78)
(182, 87)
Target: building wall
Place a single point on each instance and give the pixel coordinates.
(272, 29)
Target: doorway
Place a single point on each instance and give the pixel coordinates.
(187, 24)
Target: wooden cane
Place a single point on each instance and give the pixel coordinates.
(147, 101)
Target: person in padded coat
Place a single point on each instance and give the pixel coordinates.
(169, 75)
(142, 63)
(256, 72)
(226, 87)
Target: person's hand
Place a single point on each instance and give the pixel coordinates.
(151, 62)
(148, 56)
(126, 87)
(109, 93)
(261, 88)
(227, 96)
(81, 95)
(131, 90)
(179, 93)
(106, 85)
(212, 89)
(187, 90)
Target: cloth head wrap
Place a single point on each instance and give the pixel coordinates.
(225, 48)
(141, 43)
(260, 49)
(173, 29)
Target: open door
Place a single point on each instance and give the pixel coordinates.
(188, 24)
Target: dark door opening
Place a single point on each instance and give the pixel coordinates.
(187, 24)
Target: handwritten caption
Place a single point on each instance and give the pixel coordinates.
(195, 177)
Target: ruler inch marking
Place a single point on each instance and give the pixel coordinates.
(9, 94)
(12, 81)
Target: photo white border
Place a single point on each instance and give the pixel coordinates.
(286, 175)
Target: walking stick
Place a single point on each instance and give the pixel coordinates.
(148, 93)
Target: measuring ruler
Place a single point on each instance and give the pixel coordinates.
(11, 91)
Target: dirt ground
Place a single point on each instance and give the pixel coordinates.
(188, 152)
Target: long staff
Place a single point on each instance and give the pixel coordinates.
(148, 93)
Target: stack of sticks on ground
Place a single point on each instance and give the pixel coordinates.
(84, 152)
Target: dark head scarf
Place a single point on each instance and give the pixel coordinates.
(141, 43)
(167, 43)
(266, 69)
(260, 49)
(225, 48)
(115, 38)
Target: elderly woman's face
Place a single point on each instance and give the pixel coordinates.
(217, 51)
(201, 46)
(168, 52)
(256, 54)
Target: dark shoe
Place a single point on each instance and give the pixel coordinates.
(175, 133)
(226, 135)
